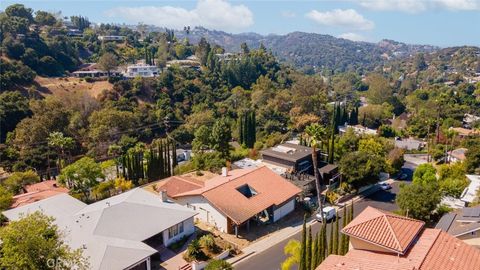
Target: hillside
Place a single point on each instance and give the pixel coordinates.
(310, 49)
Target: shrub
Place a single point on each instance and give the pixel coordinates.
(218, 265)
(194, 251)
(207, 241)
(332, 197)
(89, 79)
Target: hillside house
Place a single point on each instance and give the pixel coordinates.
(462, 223)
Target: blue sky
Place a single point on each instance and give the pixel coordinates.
(437, 22)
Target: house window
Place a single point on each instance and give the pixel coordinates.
(175, 230)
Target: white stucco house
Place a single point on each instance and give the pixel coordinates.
(234, 199)
(121, 232)
(141, 70)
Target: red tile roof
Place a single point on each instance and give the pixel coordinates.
(37, 192)
(384, 229)
(176, 185)
(271, 188)
(451, 253)
(433, 249)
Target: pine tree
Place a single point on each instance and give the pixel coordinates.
(241, 139)
(308, 257)
(338, 117)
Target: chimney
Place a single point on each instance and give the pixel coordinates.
(224, 171)
(163, 195)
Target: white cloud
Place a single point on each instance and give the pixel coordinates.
(353, 37)
(415, 6)
(346, 18)
(288, 14)
(218, 14)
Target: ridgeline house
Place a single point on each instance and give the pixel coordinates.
(234, 199)
(121, 232)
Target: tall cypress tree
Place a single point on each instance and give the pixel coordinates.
(308, 257)
(241, 139)
(344, 115)
(330, 241)
(341, 250)
(303, 248)
(324, 245)
(316, 251)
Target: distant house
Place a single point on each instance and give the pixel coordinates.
(38, 191)
(186, 63)
(111, 38)
(291, 157)
(409, 144)
(457, 155)
(470, 192)
(234, 199)
(121, 232)
(357, 129)
(399, 122)
(141, 70)
(464, 132)
(469, 120)
(462, 223)
(91, 70)
(382, 240)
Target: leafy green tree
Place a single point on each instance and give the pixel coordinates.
(44, 18)
(108, 62)
(361, 168)
(19, 10)
(472, 162)
(219, 265)
(379, 89)
(395, 160)
(82, 175)
(202, 140)
(425, 174)
(452, 179)
(418, 201)
(34, 242)
(13, 108)
(61, 143)
(6, 198)
(17, 180)
(221, 137)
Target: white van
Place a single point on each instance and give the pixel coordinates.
(329, 213)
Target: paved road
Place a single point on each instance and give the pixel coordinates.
(271, 258)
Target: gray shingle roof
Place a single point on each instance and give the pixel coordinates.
(110, 231)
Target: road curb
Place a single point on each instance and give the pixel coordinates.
(236, 260)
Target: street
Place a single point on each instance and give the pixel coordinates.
(271, 258)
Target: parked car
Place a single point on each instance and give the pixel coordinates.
(329, 213)
(385, 186)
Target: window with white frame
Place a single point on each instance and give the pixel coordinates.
(175, 230)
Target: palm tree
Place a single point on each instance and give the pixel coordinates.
(315, 133)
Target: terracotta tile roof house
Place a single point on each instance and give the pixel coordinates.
(233, 199)
(381, 240)
(464, 132)
(37, 192)
(462, 223)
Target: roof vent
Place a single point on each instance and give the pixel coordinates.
(224, 171)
